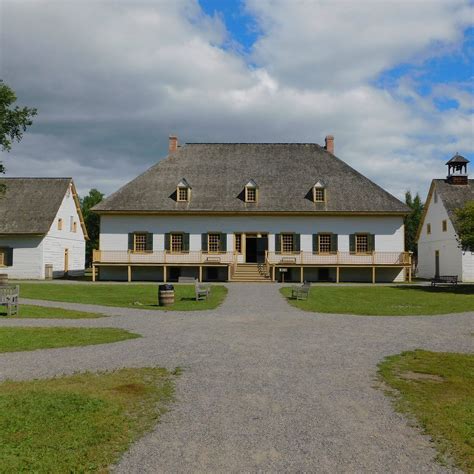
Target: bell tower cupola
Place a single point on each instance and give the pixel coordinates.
(457, 170)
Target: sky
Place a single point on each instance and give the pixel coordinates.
(112, 79)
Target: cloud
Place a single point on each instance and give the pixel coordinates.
(112, 80)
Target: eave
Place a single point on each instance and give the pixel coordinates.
(252, 213)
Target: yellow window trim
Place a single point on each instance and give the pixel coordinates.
(314, 194)
(178, 194)
(247, 189)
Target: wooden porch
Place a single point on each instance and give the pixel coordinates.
(230, 260)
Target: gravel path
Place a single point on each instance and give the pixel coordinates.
(266, 387)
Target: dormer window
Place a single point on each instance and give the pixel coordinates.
(183, 191)
(251, 191)
(319, 192)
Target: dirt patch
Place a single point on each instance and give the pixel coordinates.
(137, 388)
(421, 376)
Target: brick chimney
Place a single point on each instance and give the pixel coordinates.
(330, 143)
(173, 143)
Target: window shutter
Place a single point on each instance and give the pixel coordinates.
(223, 243)
(277, 243)
(204, 242)
(9, 257)
(185, 242)
(315, 243)
(352, 243)
(371, 242)
(149, 242)
(130, 241)
(296, 242)
(167, 242)
(333, 242)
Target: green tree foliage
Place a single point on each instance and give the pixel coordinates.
(465, 225)
(92, 221)
(412, 221)
(13, 120)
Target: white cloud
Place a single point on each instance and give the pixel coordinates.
(111, 80)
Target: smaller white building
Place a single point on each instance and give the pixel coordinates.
(438, 248)
(42, 232)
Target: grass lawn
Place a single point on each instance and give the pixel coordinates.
(81, 423)
(29, 311)
(14, 339)
(403, 300)
(437, 390)
(123, 295)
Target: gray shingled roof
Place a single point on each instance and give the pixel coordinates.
(29, 205)
(285, 174)
(454, 196)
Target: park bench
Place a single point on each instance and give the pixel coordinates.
(202, 292)
(186, 280)
(444, 280)
(9, 298)
(301, 292)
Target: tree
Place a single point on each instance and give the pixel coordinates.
(92, 221)
(13, 120)
(465, 226)
(412, 221)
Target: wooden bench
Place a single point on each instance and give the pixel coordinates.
(301, 292)
(444, 280)
(9, 298)
(186, 280)
(202, 292)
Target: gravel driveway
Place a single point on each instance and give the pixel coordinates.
(266, 387)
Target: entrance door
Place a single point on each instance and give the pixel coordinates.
(255, 248)
(66, 260)
(436, 263)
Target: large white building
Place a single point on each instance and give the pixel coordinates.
(439, 252)
(41, 228)
(244, 211)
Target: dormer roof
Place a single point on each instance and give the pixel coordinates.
(184, 184)
(251, 184)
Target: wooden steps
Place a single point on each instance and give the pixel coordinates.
(249, 272)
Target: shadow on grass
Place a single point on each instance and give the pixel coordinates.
(448, 289)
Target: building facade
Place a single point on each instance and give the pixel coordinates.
(439, 252)
(42, 233)
(252, 212)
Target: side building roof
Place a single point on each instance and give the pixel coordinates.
(29, 205)
(284, 172)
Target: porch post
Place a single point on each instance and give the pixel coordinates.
(302, 273)
(200, 273)
(165, 274)
(273, 273)
(409, 274)
(93, 272)
(129, 273)
(337, 274)
(373, 274)
(228, 272)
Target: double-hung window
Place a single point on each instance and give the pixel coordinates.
(139, 242)
(176, 243)
(213, 242)
(287, 243)
(362, 243)
(324, 243)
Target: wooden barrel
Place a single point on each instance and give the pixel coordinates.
(166, 297)
(3, 279)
